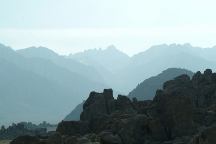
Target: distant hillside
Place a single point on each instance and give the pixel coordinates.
(159, 58)
(123, 73)
(25, 95)
(74, 66)
(37, 89)
(75, 114)
(147, 89)
(106, 61)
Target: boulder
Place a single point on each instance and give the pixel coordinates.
(97, 104)
(109, 138)
(205, 92)
(140, 129)
(207, 136)
(124, 105)
(55, 138)
(174, 107)
(73, 128)
(25, 140)
(87, 139)
(70, 140)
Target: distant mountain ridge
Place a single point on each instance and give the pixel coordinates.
(159, 58)
(73, 77)
(110, 58)
(145, 64)
(147, 89)
(33, 88)
(74, 66)
(38, 52)
(106, 61)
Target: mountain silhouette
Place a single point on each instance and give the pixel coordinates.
(110, 58)
(147, 89)
(36, 87)
(159, 58)
(66, 80)
(70, 64)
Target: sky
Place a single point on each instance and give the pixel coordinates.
(69, 26)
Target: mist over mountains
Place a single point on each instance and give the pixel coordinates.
(62, 61)
(38, 84)
(34, 88)
(148, 63)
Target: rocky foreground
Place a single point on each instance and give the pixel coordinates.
(183, 112)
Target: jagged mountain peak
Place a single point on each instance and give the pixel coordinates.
(103, 58)
(110, 49)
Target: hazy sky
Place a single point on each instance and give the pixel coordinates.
(68, 26)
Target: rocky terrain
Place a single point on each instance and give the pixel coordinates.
(182, 112)
(36, 79)
(144, 91)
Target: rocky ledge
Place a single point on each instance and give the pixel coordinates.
(183, 112)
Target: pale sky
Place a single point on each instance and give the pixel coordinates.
(69, 26)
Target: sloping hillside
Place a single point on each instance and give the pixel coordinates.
(147, 89)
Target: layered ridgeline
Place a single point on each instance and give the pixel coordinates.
(33, 77)
(182, 112)
(144, 91)
(108, 62)
(37, 84)
(147, 89)
(124, 73)
(72, 65)
(158, 58)
(110, 59)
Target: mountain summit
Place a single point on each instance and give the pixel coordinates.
(110, 58)
(38, 52)
(147, 89)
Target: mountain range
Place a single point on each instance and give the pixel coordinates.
(145, 64)
(36, 88)
(38, 84)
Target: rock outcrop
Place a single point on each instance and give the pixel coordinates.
(98, 104)
(183, 112)
(206, 136)
(26, 140)
(73, 128)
